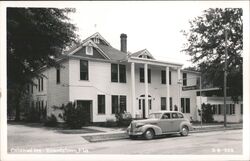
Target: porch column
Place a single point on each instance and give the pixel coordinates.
(167, 84)
(133, 89)
(146, 88)
(179, 88)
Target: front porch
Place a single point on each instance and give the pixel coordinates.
(146, 96)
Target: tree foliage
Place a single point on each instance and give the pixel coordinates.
(207, 113)
(34, 36)
(206, 46)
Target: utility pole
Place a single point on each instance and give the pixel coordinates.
(225, 81)
(200, 100)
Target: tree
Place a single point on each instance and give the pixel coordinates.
(34, 37)
(206, 46)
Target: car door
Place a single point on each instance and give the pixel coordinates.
(165, 123)
(176, 120)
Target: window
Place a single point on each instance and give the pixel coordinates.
(227, 109)
(42, 84)
(214, 109)
(114, 104)
(114, 72)
(39, 84)
(163, 77)
(241, 108)
(150, 104)
(119, 103)
(180, 115)
(163, 103)
(89, 50)
(122, 73)
(219, 110)
(142, 75)
(174, 115)
(123, 105)
(184, 77)
(166, 116)
(170, 103)
(101, 104)
(96, 40)
(140, 104)
(149, 75)
(84, 70)
(42, 105)
(170, 77)
(232, 109)
(185, 105)
(58, 76)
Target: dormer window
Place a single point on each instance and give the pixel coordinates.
(89, 50)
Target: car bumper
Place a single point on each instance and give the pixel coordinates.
(134, 133)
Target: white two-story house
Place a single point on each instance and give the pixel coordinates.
(105, 80)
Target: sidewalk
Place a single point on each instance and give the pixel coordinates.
(120, 133)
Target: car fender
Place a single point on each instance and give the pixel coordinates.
(185, 124)
(156, 129)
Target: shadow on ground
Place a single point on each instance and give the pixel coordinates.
(63, 130)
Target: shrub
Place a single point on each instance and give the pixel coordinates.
(207, 113)
(110, 122)
(123, 118)
(51, 121)
(73, 116)
(32, 115)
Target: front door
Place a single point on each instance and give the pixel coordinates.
(142, 107)
(85, 107)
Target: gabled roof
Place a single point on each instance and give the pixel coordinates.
(98, 35)
(104, 49)
(112, 53)
(89, 43)
(142, 52)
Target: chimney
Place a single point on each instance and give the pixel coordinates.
(123, 43)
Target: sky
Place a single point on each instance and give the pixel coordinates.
(155, 26)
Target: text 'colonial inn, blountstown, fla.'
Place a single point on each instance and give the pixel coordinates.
(105, 80)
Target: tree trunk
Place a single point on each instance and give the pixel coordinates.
(17, 105)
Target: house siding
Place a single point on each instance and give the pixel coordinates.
(237, 117)
(99, 83)
(58, 94)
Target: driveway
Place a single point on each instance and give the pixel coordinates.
(30, 136)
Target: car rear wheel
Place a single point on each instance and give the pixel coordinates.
(184, 131)
(149, 134)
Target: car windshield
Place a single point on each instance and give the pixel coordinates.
(155, 115)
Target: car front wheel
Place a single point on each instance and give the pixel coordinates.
(184, 131)
(149, 134)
